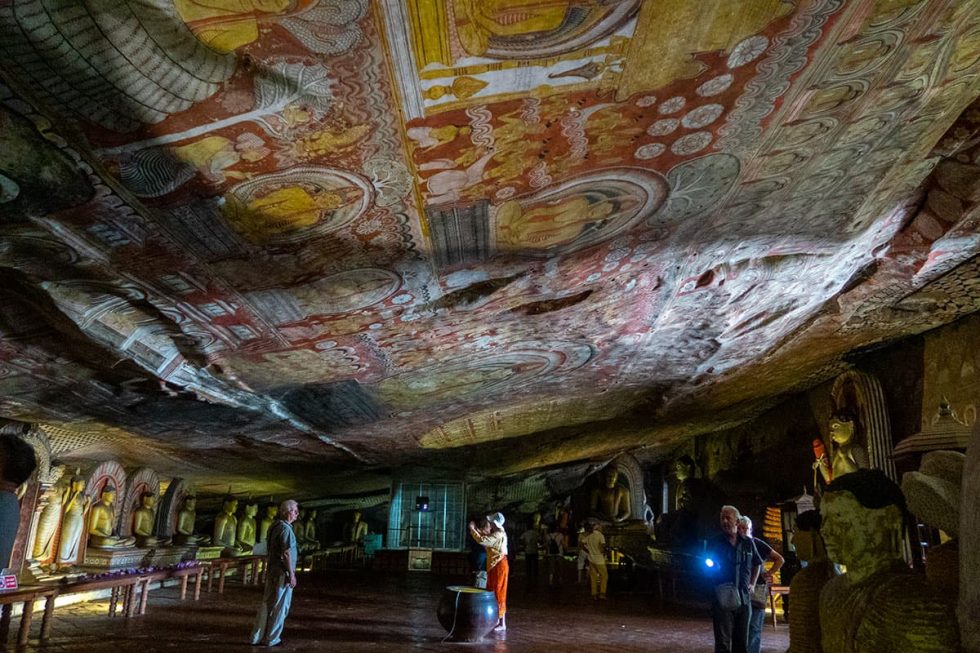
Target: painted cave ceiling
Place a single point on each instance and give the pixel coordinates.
(289, 239)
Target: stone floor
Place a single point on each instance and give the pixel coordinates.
(362, 611)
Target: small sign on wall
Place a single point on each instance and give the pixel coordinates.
(8, 582)
(419, 559)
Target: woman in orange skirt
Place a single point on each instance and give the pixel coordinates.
(494, 540)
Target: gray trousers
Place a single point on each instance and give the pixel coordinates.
(271, 617)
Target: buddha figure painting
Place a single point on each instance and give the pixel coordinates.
(573, 215)
(226, 25)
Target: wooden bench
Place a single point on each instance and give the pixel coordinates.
(26, 595)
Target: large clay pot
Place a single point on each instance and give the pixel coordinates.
(467, 613)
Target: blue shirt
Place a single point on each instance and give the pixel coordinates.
(281, 539)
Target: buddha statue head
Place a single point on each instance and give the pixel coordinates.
(77, 484)
(684, 468)
(190, 503)
(148, 500)
(108, 495)
(842, 426)
(610, 475)
(251, 509)
(863, 522)
(230, 505)
(311, 515)
(356, 517)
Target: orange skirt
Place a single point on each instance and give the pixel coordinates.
(497, 583)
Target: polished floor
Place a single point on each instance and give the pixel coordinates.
(370, 611)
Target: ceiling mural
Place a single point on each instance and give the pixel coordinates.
(341, 232)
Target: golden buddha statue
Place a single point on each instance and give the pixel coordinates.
(245, 535)
(102, 521)
(144, 522)
(226, 527)
(879, 605)
(804, 618)
(355, 530)
(611, 501)
(848, 456)
(185, 525)
(270, 516)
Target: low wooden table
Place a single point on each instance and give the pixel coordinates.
(26, 595)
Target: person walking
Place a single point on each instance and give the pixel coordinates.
(280, 578)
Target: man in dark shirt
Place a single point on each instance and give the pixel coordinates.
(280, 577)
(732, 561)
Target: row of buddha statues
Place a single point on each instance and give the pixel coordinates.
(82, 516)
(239, 535)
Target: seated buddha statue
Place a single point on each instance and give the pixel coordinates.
(611, 501)
(226, 528)
(302, 539)
(101, 529)
(185, 525)
(144, 522)
(879, 605)
(245, 535)
(309, 527)
(355, 530)
(265, 524)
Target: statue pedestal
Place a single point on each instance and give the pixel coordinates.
(630, 537)
(208, 552)
(167, 556)
(97, 559)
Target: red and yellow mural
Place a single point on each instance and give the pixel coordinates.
(452, 221)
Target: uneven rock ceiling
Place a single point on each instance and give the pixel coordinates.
(289, 243)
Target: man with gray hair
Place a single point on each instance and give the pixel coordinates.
(280, 577)
(732, 563)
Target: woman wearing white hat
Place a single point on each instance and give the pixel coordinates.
(494, 540)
